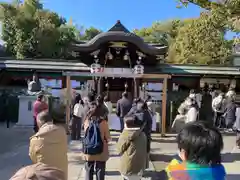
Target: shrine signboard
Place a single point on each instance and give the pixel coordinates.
(108, 72)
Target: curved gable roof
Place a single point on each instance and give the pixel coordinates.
(118, 33)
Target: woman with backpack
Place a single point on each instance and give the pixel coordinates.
(95, 142)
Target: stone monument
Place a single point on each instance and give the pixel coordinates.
(34, 86)
(26, 101)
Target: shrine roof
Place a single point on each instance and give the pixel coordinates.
(119, 27)
(119, 33)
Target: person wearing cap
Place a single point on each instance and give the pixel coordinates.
(38, 106)
(39, 171)
(49, 145)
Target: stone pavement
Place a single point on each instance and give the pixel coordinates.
(76, 166)
(15, 142)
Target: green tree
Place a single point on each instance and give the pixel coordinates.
(225, 11)
(31, 31)
(161, 32)
(90, 33)
(200, 42)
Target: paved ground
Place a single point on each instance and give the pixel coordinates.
(13, 150)
(14, 154)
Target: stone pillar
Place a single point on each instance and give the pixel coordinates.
(25, 111)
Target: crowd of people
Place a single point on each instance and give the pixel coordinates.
(217, 108)
(199, 142)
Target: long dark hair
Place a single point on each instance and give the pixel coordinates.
(94, 111)
(78, 99)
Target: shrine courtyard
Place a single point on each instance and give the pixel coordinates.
(14, 154)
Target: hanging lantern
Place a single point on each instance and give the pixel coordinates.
(126, 56)
(138, 68)
(109, 55)
(95, 67)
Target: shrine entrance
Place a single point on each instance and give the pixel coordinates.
(114, 87)
(134, 77)
(119, 61)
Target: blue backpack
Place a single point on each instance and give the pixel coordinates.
(92, 142)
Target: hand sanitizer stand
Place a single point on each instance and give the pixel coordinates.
(25, 111)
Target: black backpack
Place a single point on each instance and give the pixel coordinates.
(92, 142)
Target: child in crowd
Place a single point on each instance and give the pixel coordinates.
(200, 146)
(130, 146)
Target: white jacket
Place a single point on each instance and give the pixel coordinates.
(191, 115)
(78, 110)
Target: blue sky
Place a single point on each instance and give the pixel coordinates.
(132, 13)
(103, 14)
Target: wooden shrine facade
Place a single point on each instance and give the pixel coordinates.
(115, 54)
(120, 61)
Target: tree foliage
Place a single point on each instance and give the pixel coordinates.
(90, 33)
(31, 31)
(226, 11)
(161, 32)
(200, 42)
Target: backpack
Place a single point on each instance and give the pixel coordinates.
(92, 142)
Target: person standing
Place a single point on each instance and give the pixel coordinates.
(192, 113)
(142, 113)
(123, 107)
(49, 145)
(218, 108)
(38, 106)
(205, 112)
(87, 101)
(77, 120)
(230, 113)
(129, 146)
(95, 142)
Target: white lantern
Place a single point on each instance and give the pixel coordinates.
(138, 69)
(95, 68)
